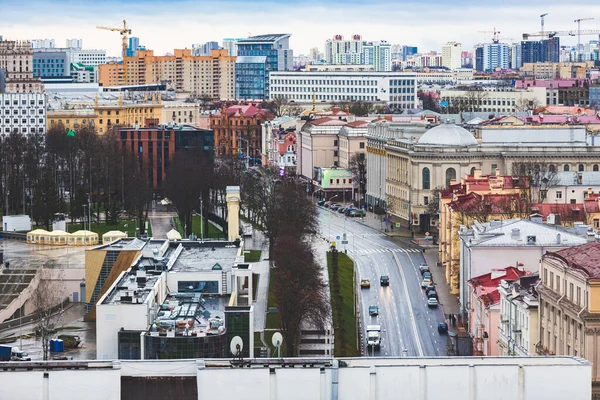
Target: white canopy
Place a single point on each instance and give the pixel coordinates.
(173, 235)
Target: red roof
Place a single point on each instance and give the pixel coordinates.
(329, 121)
(486, 286)
(585, 257)
(358, 124)
(565, 212)
(247, 111)
(486, 203)
(591, 205)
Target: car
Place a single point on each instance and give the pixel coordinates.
(432, 293)
(443, 327)
(432, 302)
(321, 202)
(327, 204)
(334, 206)
(365, 283)
(425, 283)
(429, 289)
(427, 275)
(424, 268)
(384, 280)
(373, 310)
(341, 210)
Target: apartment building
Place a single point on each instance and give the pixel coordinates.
(16, 59)
(23, 113)
(396, 89)
(211, 76)
(569, 303)
(452, 55)
(495, 100)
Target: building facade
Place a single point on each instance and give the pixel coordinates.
(547, 50)
(495, 99)
(16, 60)
(396, 89)
(452, 55)
(210, 76)
(495, 55)
(230, 44)
(378, 54)
(258, 57)
(344, 51)
(23, 113)
(50, 63)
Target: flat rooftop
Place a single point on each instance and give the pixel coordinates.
(133, 287)
(204, 258)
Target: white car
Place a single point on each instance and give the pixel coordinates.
(432, 302)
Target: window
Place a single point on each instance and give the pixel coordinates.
(551, 284)
(566, 168)
(581, 168)
(472, 172)
(335, 142)
(362, 145)
(494, 167)
(596, 223)
(559, 194)
(571, 291)
(578, 296)
(450, 175)
(595, 167)
(427, 178)
(426, 200)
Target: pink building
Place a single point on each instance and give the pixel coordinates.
(484, 309)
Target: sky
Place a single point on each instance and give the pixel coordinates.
(163, 25)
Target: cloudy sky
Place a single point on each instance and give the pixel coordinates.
(163, 25)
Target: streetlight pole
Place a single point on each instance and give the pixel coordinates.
(201, 218)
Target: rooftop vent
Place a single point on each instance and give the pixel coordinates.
(531, 239)
(515, 233)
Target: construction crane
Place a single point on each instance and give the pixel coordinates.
(551, 34)
(578, 20)
(542, 18)
(123, 31)
(496, 37)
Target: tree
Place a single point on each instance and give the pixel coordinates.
(429, 103)
(138, 192)
(300, 291)
(357, 164)
(281, 105)
(49, 293)
(536, 177)
(46, 200)
(360, 108)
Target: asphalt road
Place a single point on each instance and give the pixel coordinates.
(409, 326)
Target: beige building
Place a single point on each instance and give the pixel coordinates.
(550, 70)
(204, 76)
(16, 59)
(452, 55)
(569, 305)
(351, 141)
(495, 100)
(318, 145)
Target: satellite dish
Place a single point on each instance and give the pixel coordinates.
(277, 340)
(236, 346)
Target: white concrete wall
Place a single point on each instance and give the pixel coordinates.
(173, 278)
(110, 318)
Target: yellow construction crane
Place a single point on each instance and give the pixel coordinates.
(578, 20)
(123, 31)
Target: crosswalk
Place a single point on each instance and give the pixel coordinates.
(382, 250)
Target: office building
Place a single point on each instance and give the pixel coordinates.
(515, 55)
(211, 76)
(132, 46)
(204, 49)
(42, 44)
(509, 100)
(51, 63)
(87, 56)
(259, 56)
(23, 113)
(74, 43)
(452, 55)
(396, 89)
(341, 51)
(547, 50)
(378, 54)
(16, 60)
(408, 51)
(230, 44)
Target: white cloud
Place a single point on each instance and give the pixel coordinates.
(163, 26)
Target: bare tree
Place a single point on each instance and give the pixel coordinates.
(357, 164)
(281, 105)
(46, 299)
(535, 177)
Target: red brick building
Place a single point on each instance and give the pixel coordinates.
(238, 130)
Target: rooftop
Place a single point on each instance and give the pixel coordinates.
(123, 244)
(447, 135)
(269, 37)
(585, 258)
(588, 178)
(486, 286)
(204, 258)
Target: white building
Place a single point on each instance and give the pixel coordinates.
(518, 330)
(23, 112)
(495, 55)
(396, 89)
(475, 378)
(341, 51)
(573, 187)
(378, 54)
(493, 99)
(74, 43)
(452, 55)
(519, 243)
(275, 150)
(88, 56)
(42, 44)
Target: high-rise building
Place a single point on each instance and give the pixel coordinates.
(515, 55)
(466, 59)
(408, 51)
(74, 43)
(378, 54)
(315, 55)
(547, 50)
(257, 57)
(16, 59)
(23, 113)
(396, 52)
(230, 44)
(494, 55)
(451, 55)
(204, 49)
(42, 44)
(340, 51)
(132, 46)
(212, 76)
(49, 63)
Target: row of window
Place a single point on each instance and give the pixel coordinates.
(23, 121)
(23, 102)
(24, 130)
(23, 111)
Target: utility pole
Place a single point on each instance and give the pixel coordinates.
(578, 20)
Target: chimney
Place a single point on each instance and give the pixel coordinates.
(477, 173)
(498, 273)
(497, 171)
(515, 233)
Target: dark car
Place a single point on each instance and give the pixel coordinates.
(341, 210)
(429, 289)
(424, 268)
(373, 310)
(443, 327)
(334, 207)
(427, 275)
(321, 202)
(384, 280)
(432, 293)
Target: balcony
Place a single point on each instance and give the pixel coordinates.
(504, 318)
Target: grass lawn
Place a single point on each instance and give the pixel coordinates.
(252, 255)
(213, 232)
(273, 321)
(101, 228)
(342, 303)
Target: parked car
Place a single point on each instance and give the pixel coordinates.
(334, 207)
(432, 293)
(341, 210)
(424, 268)
(355, 213)
(427, 275)
(384, 280)
(425, 283)
(327, 204)
(321, 202)
(429, 289)
(432, 302)
(373, 310)
(365, 283)
(443, 327)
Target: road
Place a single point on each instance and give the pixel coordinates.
(409, 326)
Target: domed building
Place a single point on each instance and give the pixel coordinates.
(447, 135)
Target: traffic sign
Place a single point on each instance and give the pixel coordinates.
(363, 206)
(337, 237)
(344, 242)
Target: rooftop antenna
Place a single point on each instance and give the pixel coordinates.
(277, 340)
(236, 346)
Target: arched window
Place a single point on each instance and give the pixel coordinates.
(426, 179)
(566, 168)
(552, 168)
(450, 174)
(581, 168)
(595, 167)
(472, 171)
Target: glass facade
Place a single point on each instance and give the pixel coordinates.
(237, 322)
(129, 345)
(210, 287)
(162, 347)
(250, 80)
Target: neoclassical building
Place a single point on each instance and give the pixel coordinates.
(416, 167)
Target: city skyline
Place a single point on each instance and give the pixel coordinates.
(164, 27)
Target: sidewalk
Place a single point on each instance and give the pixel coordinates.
(448, 301)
